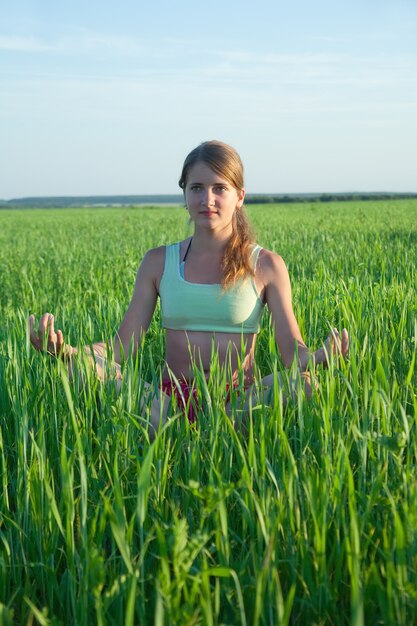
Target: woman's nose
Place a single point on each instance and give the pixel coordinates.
(208, 197)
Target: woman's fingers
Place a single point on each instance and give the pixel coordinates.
(37, 337)
(59, 341)
(336, 344)
(51, 331)
(345, 342)
(32, 334)
(43, 325)
(54, 342)
(335, 341)
(45, 338)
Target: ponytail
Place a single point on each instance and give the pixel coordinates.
(237, 258)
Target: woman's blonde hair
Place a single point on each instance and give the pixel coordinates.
(225, 161)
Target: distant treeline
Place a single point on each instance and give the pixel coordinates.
(325, 197)
(149, 200)
(79, 201)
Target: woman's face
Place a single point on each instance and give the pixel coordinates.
(211, 199)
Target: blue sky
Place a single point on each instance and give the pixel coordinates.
(109, 97)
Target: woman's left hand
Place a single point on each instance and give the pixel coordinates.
(335, 344)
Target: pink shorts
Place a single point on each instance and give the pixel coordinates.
(187, 397)
(185, 394)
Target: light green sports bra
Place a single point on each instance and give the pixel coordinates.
(197, 306)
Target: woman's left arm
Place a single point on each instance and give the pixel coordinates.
(274, 274)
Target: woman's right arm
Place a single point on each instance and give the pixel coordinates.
(142, 305)
(132, 329)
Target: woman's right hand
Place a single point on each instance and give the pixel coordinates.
(46, 339)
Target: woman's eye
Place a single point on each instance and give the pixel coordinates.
(195, 187)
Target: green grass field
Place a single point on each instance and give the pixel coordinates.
(309, 519)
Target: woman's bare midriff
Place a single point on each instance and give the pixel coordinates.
(195, 348)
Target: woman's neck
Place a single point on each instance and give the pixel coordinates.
(209, 241)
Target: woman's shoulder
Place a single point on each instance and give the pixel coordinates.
(152, 264)
(155, 257)
(155, 254)
(270, 260)
(271, 266)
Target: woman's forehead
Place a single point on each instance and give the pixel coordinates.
(200, 172)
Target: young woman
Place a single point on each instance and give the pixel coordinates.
(212, 287)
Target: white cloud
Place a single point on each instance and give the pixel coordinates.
(76, 42)
(15, 43)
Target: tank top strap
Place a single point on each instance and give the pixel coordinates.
(255, 255)
(172, 260)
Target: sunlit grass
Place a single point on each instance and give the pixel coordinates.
(309, 518)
